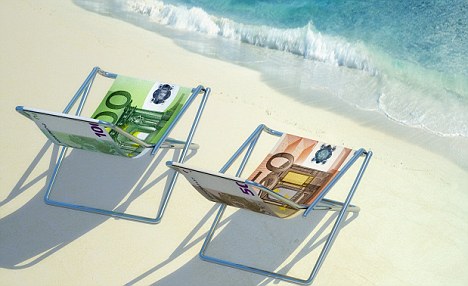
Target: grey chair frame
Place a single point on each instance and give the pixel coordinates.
(164, 142)
(320, 204)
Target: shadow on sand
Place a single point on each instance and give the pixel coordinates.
(35, 230)
(251, 239)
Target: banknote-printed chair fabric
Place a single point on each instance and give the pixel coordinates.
(135, 117)
(294, 177)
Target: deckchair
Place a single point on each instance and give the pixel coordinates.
(135, 117)
(294, 177)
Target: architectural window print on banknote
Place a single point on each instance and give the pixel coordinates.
(298, 168)
(142, 108)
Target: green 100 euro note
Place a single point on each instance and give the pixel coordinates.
(144, 109)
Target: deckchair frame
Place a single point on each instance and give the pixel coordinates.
(165, 142)
(319, 204)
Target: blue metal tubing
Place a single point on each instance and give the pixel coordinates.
(329, 204)
(84, 88)
(165, 200)
(339, 219)
(84, 91)
(195, 92)
(345, 168)
(250, 143)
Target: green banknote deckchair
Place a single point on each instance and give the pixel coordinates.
(295, 176)
(135, 117)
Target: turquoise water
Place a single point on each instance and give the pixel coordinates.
(406, 60)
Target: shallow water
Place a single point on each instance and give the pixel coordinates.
(403, 62)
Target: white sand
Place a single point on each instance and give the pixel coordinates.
(412, 229)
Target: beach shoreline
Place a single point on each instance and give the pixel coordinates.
(319, 85)
(411, 229)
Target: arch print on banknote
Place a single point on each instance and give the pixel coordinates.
(298, 168)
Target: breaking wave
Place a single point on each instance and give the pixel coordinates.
(304, 41)
(414, 76)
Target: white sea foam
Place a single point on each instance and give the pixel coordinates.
(304, 41)
(404, 91)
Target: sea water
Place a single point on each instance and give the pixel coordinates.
(405, 60)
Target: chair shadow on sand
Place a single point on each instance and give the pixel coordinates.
(35, 230)
(255, 240)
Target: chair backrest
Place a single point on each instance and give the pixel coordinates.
(74, 131)
(298, 169)
(142, 108)
(131, 118)
(222, 188)
(291, 177)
